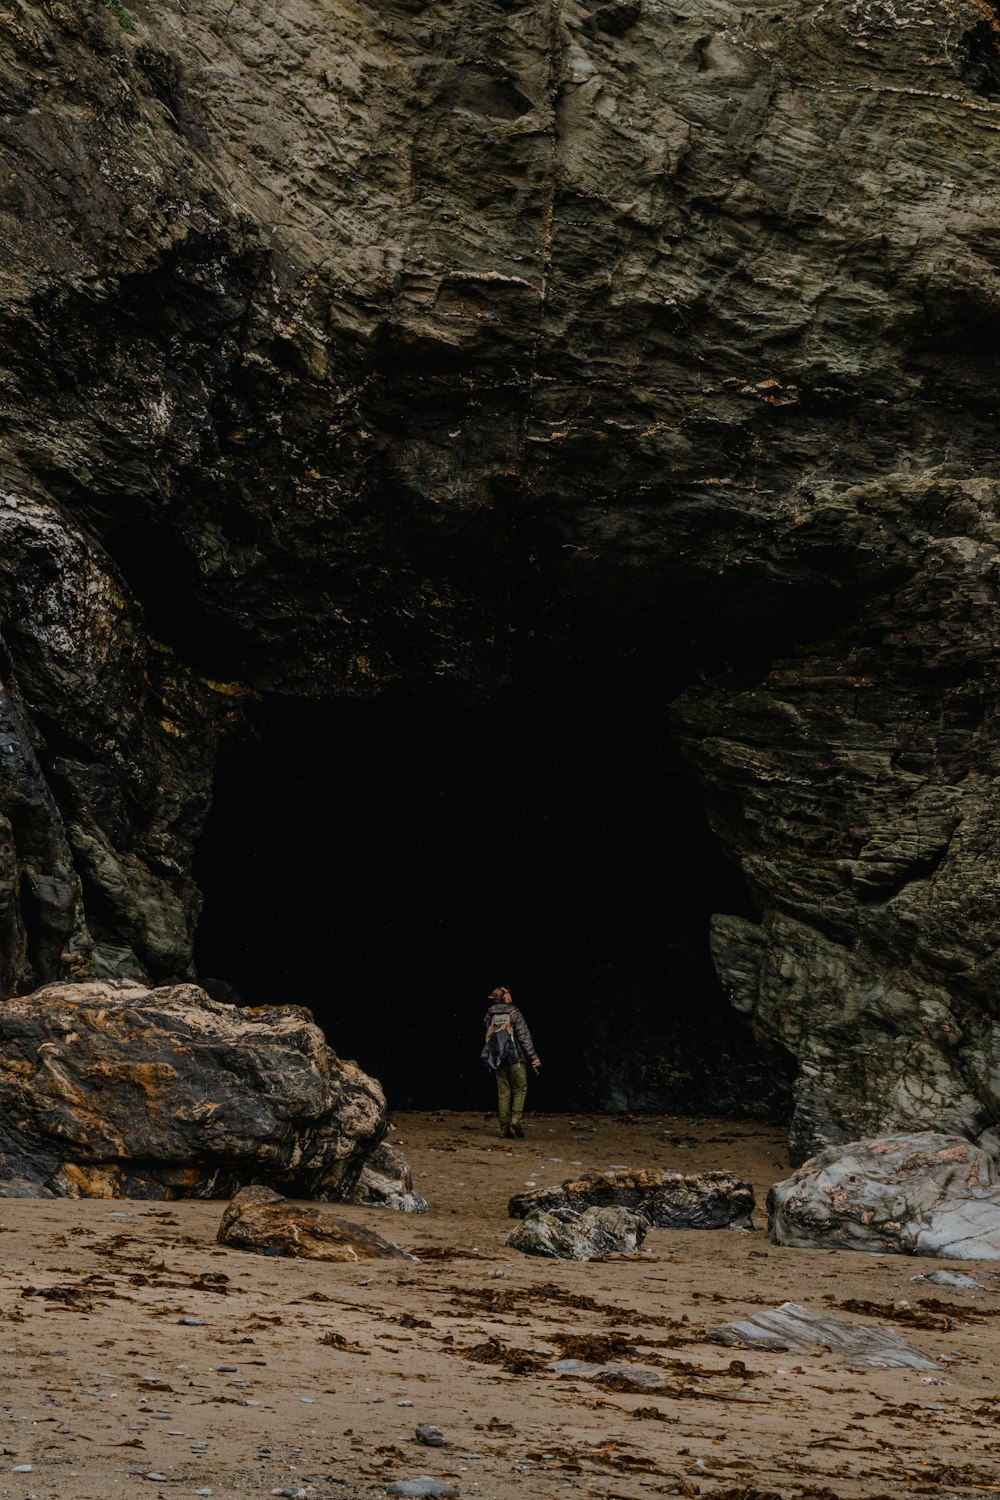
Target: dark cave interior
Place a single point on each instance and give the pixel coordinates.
(388, 862)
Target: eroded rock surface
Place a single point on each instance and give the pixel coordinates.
(349, 345)
(789, 1326)
(912, 1195)
(580, 1236)
(261, 1220)
(667, 1200)
(387, 1182)
(109, 1089)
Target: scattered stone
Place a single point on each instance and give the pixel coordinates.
(260, 1220)
(430, 1436)
(193, 1322)
(404, 1403)
(283, 1107)
(595, 1232)
(951, 1278)
(425, 1485)
(668, 1200)
(630, 1376)
(792, 1327)
(20, 1187)
(21, 1469)
(158, 1478)
(924, 1194)
(386, 1182)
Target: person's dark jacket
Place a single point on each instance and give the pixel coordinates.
(522, 1035)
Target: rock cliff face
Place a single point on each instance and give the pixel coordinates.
(350, 345)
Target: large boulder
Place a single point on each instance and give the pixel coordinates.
(667, 1200)
(925, 1194)
(261, 1220)
(585, 1236)
(107, 1088)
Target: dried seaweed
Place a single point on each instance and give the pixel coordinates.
(594, 1348)
(891, 1312)
(494, 1352)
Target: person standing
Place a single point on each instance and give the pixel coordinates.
(508, 1051)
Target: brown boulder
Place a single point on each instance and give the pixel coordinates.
(261, 1220)
(109, 1089)
(667, 1200)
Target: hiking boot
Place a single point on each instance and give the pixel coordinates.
(515, 1129)
(506, 1131)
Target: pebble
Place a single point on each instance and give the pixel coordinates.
(308, 1400)
(425, 1485)
(226, 1370)
(431, 1436)
(205, 1491)
(21, 1469)
(160, 1478)
(192, 1322)
(404, 1403)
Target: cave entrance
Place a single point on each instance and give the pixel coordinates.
(388, 862)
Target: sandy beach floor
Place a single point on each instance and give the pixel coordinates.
(303, 1379)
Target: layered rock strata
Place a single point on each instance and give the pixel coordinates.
(665, 1199)
(345, 346)
(108, 1089)
(861, 1345)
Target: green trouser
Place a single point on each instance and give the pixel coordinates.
(512, 1090)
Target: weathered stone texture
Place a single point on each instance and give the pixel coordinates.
(789, 1326)
(109, 1089)
(261, 1220)
(581, 1236)
(347, 345)
(927, 1194)
(665, 1199)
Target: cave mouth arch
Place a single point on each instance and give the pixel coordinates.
(388, 861)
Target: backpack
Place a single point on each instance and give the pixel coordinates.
(501, 1047)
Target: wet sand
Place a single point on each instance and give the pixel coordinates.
(300, 1378)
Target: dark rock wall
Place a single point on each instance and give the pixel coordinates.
(345, 346)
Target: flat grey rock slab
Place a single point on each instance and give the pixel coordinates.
(584, 1236)
(667, 1199)
(20, 1187)
(923, 1194)
(635, 1374)
(790, 1326)
(424, 1485)
(953, 1279)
